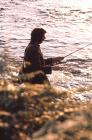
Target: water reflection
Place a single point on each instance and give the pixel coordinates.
(68, 25)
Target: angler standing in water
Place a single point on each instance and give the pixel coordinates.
(34, 61)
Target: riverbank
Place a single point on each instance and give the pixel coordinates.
(39, 112)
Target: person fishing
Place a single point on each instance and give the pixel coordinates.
(34, 61)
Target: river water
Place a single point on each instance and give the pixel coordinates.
(69, 27)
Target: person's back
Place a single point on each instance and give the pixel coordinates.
(33, 59)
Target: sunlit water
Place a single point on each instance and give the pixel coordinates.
(69, 27)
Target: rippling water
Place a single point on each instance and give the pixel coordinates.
(69, 27)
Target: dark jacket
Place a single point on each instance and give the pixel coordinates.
(34, 61)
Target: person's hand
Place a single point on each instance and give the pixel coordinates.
(57, 60)
(61, 58)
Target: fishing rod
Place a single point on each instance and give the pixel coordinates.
(77, 50)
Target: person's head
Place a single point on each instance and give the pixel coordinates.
(37, 35)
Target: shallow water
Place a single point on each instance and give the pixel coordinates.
(69, 27)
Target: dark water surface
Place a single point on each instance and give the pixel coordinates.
(69, 27)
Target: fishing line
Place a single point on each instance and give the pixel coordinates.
(77, 50)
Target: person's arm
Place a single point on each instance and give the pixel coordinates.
(48, 61)
(53, 61)
(57, 60)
